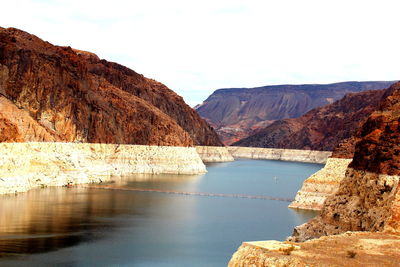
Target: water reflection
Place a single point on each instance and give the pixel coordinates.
(48, 219)
(83, 226)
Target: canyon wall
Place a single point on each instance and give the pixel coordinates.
(52, 93)
(365, 209)
(322, 128)
(236, 113)
(24, 166)
(280, 154)
(368, 197)
(214, 154)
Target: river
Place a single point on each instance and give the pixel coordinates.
(118, 226)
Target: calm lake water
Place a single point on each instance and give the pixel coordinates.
(100, 227)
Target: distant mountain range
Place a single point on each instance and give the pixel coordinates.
(237, 113)
(322, 128)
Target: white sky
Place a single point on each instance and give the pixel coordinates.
(195, 47)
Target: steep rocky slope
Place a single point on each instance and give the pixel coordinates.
(52, 93)
(322, 128)
(368, 198)
(238, 112)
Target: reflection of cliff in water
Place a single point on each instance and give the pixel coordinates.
(49, 219)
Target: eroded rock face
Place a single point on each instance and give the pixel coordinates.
(73, 96)
(322, 128)
(280, 154)
(322, 184)
(368, 197)
(24, 166)
(236, 113)
(214, 154)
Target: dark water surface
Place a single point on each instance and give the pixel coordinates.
(99, 227)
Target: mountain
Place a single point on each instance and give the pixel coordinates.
(368, 198)
(53, 93)
(322, 128)
(236, 113)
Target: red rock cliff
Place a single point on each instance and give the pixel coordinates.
(52, 93)
(368, 198)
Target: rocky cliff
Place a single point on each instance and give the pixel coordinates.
(238, 112)
(322, 128)
(322, 184)
(280, 154)
(24, 166)
(368, 198)
(214, 154)
(52, 93)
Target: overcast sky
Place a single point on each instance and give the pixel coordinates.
(195, 47)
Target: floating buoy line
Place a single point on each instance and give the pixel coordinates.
(203, 194)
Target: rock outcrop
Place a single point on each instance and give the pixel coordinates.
(321, 185)
(368, 198)
(214, 154)
(51, 93)
(24, 166)
(280, 154)
(322, 128)
(349, 249)
(239, 112)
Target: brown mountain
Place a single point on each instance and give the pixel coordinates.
(53, 93)
(368, 198)
(322, 128)
(378, 151)
(239, 112)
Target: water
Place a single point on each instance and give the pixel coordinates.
(99, 227)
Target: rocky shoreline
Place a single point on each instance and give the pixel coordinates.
(214, 154)
(321, 185)
(298, 155)
(28, 165)
(24, 166)
(348, 249)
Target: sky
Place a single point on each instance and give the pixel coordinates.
(196, 47)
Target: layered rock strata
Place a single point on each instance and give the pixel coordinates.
(214, 154)
(321, 185)
(280, 154)
(365, 201)
(24, 166)
(348, 249)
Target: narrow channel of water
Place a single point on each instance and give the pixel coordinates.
(84, 226)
